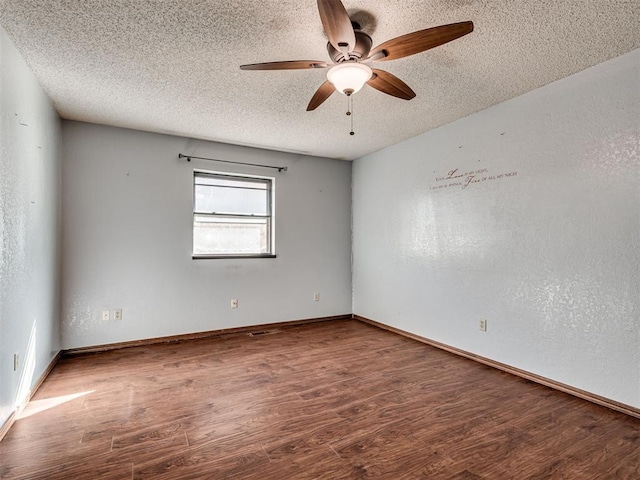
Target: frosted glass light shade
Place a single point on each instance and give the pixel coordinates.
(349, 77)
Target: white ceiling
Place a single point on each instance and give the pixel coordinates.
(171, 66)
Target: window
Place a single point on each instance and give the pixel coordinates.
(232, 215)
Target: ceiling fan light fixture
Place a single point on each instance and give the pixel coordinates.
(349, 77)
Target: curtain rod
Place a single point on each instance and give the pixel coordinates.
(189, 157)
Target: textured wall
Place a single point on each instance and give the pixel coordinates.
(527, 215)
(29, 228)
(127, 235)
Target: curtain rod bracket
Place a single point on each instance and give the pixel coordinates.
(189, 157)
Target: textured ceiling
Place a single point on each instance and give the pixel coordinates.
(171, 66)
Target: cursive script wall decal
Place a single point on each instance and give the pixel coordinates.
(462, 179)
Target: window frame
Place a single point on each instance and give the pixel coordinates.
(270, 216)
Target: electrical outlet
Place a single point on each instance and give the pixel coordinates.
(316, 297)
(117, 314)
(16, 362)
(234, 303)
(483, 325)
(105, 315)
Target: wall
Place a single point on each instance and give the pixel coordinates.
(544, 243)
(29, 229)
(127, 237)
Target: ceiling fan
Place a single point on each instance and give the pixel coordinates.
(349, 48)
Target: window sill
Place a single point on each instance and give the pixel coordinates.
(217, 257)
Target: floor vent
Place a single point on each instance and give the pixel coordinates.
(260, 333)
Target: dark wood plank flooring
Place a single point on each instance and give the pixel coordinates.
(332, 400)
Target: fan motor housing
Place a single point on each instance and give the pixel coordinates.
(360, 51)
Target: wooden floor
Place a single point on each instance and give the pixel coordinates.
(332, 400)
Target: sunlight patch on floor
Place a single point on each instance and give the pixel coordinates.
(37, 406)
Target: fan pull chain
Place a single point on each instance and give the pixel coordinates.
(350, 112)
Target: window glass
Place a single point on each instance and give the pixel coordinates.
(232, 215)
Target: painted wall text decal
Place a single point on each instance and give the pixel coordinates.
(462, 179)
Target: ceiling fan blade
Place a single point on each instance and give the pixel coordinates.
(324, 92)
(286, 65)
(391, 85)
(337, 25)
(420, 41)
